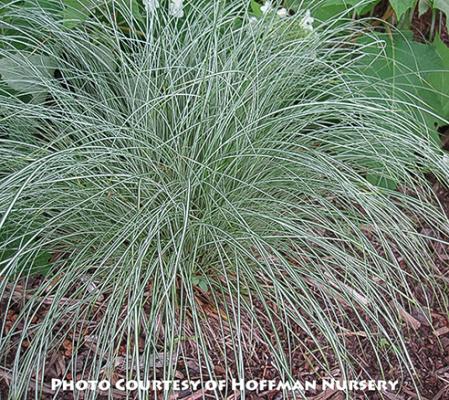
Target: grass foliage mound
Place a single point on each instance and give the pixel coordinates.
(212, 181)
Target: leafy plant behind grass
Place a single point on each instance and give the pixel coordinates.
(210, 159)
(417, 68)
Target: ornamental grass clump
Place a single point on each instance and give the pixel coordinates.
(207, 183)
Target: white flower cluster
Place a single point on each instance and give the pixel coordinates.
(283, 12)
(175, 7)
(268, 7)
(151, 5)
(306, 22)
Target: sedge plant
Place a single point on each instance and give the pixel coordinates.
(201, 186)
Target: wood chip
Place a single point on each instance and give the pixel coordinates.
(411, 321)
(349, 333)
(439, 395)
(441, 331)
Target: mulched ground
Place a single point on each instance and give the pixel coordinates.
(428, 347)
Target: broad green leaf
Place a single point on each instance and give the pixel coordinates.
(75, 12)
(25, 73)
(126, 9)
(42, 264)
(200, 282)
(407, 69)
(256, 8)
(400, 7)
(328, 12)
(135, 10)
(296, 4)
(366, 8)
(203, 285)
(53, 7)
(442, 5)
(381, 181)
(423, 6)
(5, 89)
(322, 11)
(378, 174)
(359, 6)
(329, 9)
(440, 79)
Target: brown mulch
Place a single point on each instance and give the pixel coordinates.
(428, 347)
